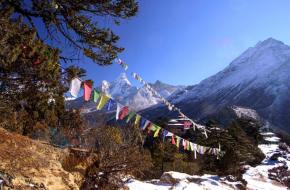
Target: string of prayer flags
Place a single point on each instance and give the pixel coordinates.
(104, 99)
(137, 77)
(170, 106)
(87, 90)
(75, 87)
(123, 64)
(130, 116)
(96, 96)
(123, 111)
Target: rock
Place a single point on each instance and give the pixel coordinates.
(275, 156)
(279, 173)
(283, 146)
(169, 179)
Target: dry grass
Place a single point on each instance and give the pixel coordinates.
(30, 160)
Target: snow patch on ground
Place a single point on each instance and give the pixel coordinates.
(184, 183)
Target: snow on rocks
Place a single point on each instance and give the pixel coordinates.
(270, 173)
(182, 181)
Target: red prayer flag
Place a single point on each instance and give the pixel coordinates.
(124, 112)
(173, 140)
(87, 90)
(185, 144)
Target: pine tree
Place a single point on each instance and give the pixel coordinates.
(78, 22)
(32, 87)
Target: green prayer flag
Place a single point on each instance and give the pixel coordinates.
(102, 101)
(130, 115)
(96, 96)
(154, 127)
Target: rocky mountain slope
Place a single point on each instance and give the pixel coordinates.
(258, 79)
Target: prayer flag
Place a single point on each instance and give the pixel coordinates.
(96, 96)
(124, 112)
(153, 127)
(87, 90)
(173, 140)
(157, 132)
(130, 115)
(164, 134)
(177, 141)
(137, 119)
(109, 104)
(102, 101)
(142, 123)
(75, 87)
(119, 108)
(145, 124)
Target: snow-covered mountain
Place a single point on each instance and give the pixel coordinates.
(124, 92)
(258, 79)
(138, 98)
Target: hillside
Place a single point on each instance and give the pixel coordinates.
(31, 164)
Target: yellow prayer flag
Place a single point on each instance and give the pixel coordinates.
(104, 99)
(157, 132)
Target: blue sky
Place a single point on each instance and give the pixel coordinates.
(183, 42)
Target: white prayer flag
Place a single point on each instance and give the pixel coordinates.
(119, 108)
(75, 87)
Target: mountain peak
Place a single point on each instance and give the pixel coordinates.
(269, 42)
(123, 79)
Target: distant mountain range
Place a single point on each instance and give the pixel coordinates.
(125, 93)
(258, 79)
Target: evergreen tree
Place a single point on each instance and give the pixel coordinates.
(79, 22)
(32, 87)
